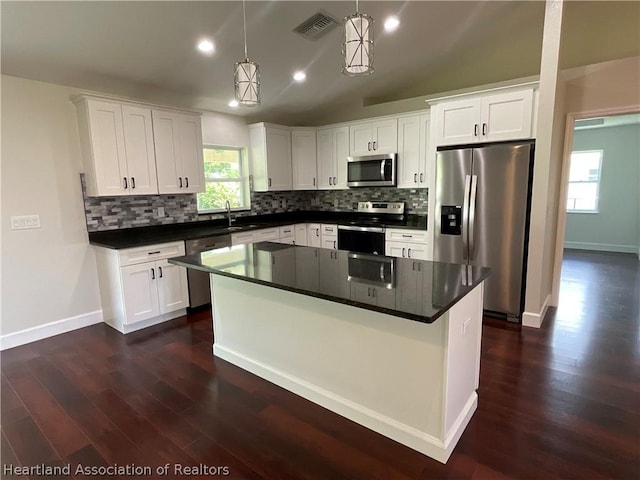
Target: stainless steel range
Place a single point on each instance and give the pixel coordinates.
(365, 233)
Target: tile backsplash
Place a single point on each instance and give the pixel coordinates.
(108, 213)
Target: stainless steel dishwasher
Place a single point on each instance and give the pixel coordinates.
(199, 289)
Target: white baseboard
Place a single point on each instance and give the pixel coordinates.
(51, 329)
(535, 319)
(134, 327)
(602, 247)
(389, 427)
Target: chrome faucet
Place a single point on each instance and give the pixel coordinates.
(227, 205)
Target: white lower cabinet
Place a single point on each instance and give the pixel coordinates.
(329, 236)
(314, 238)
(301, 234)
(379, 296)
(139, 287)
(406, 243)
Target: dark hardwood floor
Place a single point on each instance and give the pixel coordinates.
(559, 402)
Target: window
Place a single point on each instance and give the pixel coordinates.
(584, 181)
(225, 179)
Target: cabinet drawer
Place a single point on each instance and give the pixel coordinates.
(405, 235)
(329, 230)
(267, 235)
(242, 238)
(286, 232)
(132, 256)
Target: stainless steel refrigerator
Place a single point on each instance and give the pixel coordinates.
(483, 198)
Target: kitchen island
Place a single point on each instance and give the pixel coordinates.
(390, 343)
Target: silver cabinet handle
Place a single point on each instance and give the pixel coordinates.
(269, 181)
(407, 236)
(153, 253)
(475, 130)
(409, 252)
(472, 215)
(369, 146)
(484, 128)
(421, 175)
(153, 274)
(180, 181)
(403, 249)
(317, 232)
(382, 165)
(186, 180)
(334, 244)
(125, 183)
(160, 271)
(375, 148)
(415, 178)
(133, 182)
(314, 181)
(329, 180)
(373, 292)
(334, 180)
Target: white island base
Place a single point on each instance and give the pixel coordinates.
(410, 381)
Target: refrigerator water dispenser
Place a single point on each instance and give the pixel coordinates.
(451, 220)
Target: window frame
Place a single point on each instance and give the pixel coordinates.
(243, 180)
(596, 210)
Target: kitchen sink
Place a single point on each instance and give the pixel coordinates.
(235, 228)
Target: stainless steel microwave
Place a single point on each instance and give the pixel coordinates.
(372, 170)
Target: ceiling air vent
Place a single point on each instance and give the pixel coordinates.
(316, 26)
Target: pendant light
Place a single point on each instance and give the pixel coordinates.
(246, 77)
(357, 49)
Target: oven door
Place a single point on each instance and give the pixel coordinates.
(361, 239)
(371, 171)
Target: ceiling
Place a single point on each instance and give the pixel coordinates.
(146, 50)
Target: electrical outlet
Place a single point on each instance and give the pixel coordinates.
(23, 222)
(284, 203)
(336, 203)
(465, 326)
(275, 204)
(161, 211)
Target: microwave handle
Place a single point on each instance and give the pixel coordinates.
(382, 165)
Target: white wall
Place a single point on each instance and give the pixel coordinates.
(615, 226)
(49, 273)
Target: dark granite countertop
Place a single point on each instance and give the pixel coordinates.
(413, 289)
(141, 236)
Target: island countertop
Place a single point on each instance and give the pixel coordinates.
(417, 290)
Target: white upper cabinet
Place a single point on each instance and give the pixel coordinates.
(413, 131)
(369, 138)
(303, 158)
(178, 145)
(117, 147)
(138, 145)
(130, 149)
(270, 154)
(484, 118)
(333, 150)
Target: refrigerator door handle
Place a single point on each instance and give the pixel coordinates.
(465, 216)
(472, 215)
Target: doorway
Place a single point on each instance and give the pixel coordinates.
(598, 235)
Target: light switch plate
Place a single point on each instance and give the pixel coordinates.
(161, 211)
(23, 222)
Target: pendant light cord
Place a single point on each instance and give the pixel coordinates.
(356, 6)
(244, 23)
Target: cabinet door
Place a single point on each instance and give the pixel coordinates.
(384, 136)
(360, 142)
(301, 234)
(341, 145)
(417, 251)
(303, 158)
(191, 155)
(140, 292)
(395, 249)
(333, 274)
(266, 235)
(427, 163)
(409, 290)
(330, 243)
(172, 287)
(166, 139)
(507, 116)
(409, 152)
(108, 148)
(326, 158)
(457, 122)
(313, 235)
(278, 142)
(361, 292)
(141, 157)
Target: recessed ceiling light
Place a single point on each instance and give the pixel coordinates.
(206, 46)
(299, 76)
(391, 24)
(233, 103)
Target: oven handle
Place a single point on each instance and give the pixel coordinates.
(361, 229)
